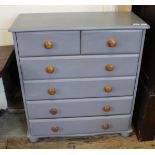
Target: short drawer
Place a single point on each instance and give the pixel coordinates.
(111, 41)
(79, 66)
(77, 126)
(48, 43)
(79, 107)
(78, 88)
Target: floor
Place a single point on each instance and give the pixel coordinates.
(13, 135)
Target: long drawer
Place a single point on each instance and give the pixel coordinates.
(78, 88)
(76, 126)
(111, 41)
(48, 43)
(79, 107)
(79, 66)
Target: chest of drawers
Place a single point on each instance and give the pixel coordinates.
(78, 71)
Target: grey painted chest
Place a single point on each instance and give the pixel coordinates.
(78, 71)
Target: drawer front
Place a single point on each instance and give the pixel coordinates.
(78, 88)
(59, 43)
(75, 126)
(120, 41)
(79, 107)
(78, 66)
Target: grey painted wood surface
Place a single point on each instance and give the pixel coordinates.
(138, 73)
(21, 81)
(77, 21)
(79, 107)
(64, 43)
(79, 66)
(78, 88)
(95, 42)
(81, 125)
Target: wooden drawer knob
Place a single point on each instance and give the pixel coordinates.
(108, 89)
(48, 44)
(50, 69)
(112, 43)
(106, 108)
(105, 126)
(109, 67)
(53, 111)
(55, 129)
(52, 91)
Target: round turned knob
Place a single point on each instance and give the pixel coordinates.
(108, 89)
(55, 129)
(53, 111)
(48, 44)
(112, 43)
(50, 69)
(52, 91)
(106, 108)
(105, 126)
(109, 67)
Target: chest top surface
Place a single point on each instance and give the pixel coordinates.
(77, 21)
